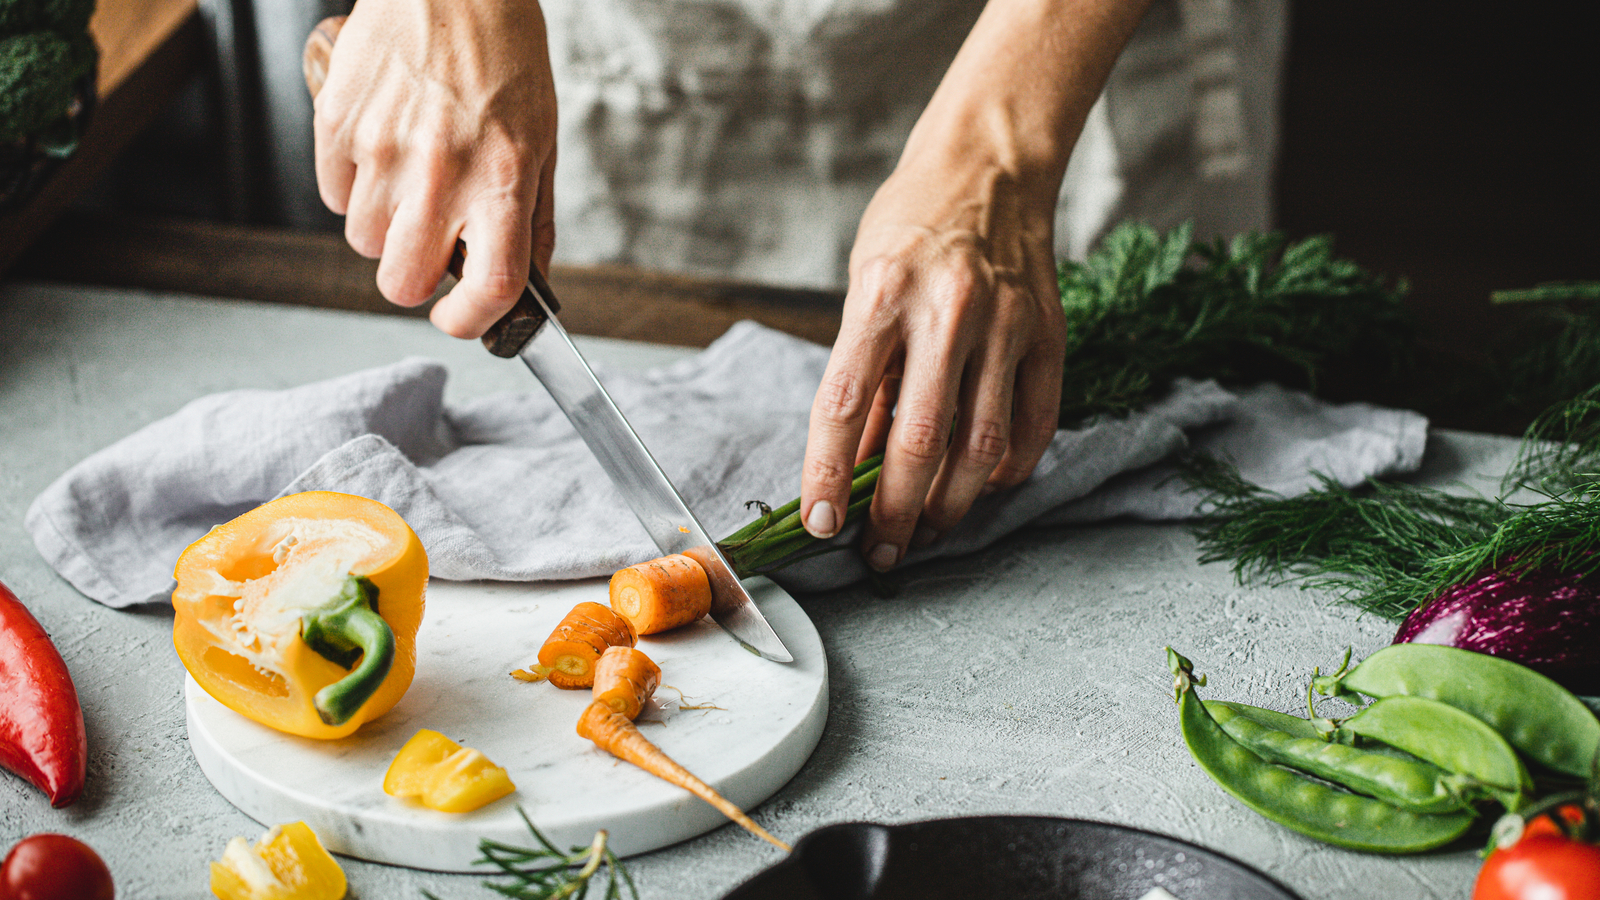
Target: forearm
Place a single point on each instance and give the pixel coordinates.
(1018, 92)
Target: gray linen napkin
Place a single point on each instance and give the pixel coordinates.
(502, 488)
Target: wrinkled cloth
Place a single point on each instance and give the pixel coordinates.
(744, 138)
(502, 488)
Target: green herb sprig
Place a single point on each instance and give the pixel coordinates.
(545, 873)
(1390, 547)
(1257, 308)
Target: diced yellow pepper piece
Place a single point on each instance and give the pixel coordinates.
(288, 863)
(441, 774)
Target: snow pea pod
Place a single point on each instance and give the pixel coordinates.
(1297, 802)
(1533, 713)
(1447, 737)
(1396, 779)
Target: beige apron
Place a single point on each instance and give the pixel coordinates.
(744, 138)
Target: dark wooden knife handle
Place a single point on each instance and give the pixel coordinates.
(511, 333)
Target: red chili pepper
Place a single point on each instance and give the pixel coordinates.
(42, 737)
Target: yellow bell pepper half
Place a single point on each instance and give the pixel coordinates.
(441, 774)
(288, 863)
(302, 614)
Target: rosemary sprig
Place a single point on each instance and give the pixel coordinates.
(545, 873)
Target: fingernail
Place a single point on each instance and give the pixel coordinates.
(926, 534)
(821, 522)
(883, 557)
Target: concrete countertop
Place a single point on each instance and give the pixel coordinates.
(1028, 678)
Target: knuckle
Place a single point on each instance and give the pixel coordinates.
(920, 437)
(842, 397)
(883, 277)
(500, 286)
(1009, 474)
(987, 444)
(827, 474)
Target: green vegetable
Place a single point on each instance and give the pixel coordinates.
(778, 537)
(344, 630)
(1302, 804)
(1535, 715)
(67, 18)
(545, 873)
(1399, 780)
(38, 75)
(1447, 737)
(1391, 547)
(1259, 308)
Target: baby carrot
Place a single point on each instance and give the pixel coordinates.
(570, 652)
(616, 734)
(624, 679)
(662, 593)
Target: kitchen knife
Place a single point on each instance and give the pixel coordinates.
(531, 332)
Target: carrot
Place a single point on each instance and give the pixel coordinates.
(570, 652)
(624, 679)
(616, 734)
(662, 593)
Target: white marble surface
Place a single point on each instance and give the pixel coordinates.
(767, 719)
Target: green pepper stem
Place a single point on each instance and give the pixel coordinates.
(348, 628)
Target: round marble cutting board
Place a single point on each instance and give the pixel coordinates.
(757, 723)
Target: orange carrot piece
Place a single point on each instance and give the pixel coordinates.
(662, 593)
(617, 735)
(625, 679)
(571, 650)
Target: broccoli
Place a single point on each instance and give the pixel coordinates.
(38, 72)
(67, 18)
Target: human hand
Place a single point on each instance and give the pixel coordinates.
(437, 121)
(949, 355)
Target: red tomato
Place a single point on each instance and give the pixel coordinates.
(1543, 865)
(54, 867)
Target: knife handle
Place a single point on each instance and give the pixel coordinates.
(506, 337)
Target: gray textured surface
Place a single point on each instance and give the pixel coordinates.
(1024, 679)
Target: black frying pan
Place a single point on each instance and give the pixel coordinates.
(1012, 857)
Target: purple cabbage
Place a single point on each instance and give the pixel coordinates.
(1547, 621)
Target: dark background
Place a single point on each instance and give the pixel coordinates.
(1452, 145)
(1437, 143)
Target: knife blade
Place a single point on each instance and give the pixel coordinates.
(548, 352)
(531, 332)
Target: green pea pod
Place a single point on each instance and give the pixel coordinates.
(1447, 737)
(1534, 714)
(1397, 779)
(1294, 801)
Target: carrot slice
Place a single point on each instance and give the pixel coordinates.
(662, 593)
(572, 648)
(617, 735)
(624, 679)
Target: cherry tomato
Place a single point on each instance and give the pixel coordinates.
(1543, 864)
(54, 867)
